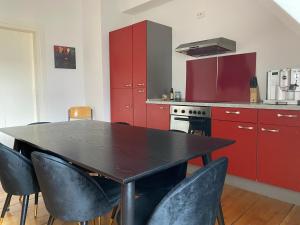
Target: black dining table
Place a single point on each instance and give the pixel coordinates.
(122, 153)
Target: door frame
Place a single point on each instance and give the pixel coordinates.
(37, 63)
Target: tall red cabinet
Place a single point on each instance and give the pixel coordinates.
(140, 68)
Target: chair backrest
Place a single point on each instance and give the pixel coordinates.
(195, 200)
(16, 173)
(69, 193)
(80, 113)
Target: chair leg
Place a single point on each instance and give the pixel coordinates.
(6, 205)
(36, 202)
(84, 223)
(51, 220)
(113, 215)
(24, 209)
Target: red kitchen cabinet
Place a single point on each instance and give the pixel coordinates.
(242, 154)
(279, 117)
(139, 107)
(140, 55)
(120, 50)
(121, 105)
(158, 116)
(234, 114)
(279, 156)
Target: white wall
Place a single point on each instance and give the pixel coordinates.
(253, 24)
(57, 23)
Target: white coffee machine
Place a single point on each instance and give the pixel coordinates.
(283, 87)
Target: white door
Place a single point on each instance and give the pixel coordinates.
(17, 89)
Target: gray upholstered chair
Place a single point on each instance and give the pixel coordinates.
(70, 194)
(194, 201)
(17, 178)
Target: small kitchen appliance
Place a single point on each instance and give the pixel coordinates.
(283, 87)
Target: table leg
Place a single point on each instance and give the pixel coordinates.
(127, 204)
(206, 159)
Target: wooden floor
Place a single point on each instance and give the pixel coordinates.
(240, 208)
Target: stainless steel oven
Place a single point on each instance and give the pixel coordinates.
(191, 119)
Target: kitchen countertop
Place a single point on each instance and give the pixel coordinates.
(225, 104)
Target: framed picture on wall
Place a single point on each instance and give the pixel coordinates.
(64, 57)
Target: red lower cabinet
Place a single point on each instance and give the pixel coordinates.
(158, 116)
(242, 155)
(121, 106)
(139, 107)
(279, 156)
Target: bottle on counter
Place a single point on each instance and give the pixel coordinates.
(254, 95)
(171, 94)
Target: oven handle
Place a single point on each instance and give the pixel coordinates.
(182, 119)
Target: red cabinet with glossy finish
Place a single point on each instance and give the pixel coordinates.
(234, 114)
(279, 117)
(121, 105)
(158, 116)
(242, 154)
(139, 107)
(279, 156)
(201, 79)
(120, 51)
(139, 54)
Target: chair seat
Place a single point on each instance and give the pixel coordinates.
(111, 188)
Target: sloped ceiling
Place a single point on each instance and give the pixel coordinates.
(292, 7)
(137, 6)
(281, 14)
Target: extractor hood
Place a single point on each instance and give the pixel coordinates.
(207, 47)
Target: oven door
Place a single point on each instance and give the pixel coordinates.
(180, 123)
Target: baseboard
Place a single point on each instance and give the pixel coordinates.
(260, 188)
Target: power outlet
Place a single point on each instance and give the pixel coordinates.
(200, 15)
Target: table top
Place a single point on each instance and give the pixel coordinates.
(123, 153)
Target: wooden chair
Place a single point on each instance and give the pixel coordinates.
(80, 113)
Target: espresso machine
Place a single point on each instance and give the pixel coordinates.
(283, 87)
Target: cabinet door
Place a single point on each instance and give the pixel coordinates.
(121, 105)
(201, 77)
(158, 116)
(140, 55)
(279, 156)
(234, 73)
(242, 155)
(120, 50)
(139, 107)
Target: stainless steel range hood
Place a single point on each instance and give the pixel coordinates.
(207, 47)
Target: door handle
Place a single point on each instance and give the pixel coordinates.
(233, 112)
(270, 130)
(288, 116)
(246, 128)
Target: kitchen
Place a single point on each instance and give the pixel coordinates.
(161, 75)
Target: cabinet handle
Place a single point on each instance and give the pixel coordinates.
(127, 85)
(245, 128)
(270, 130)
(161, 107)
(141, 91)
(141, 85)
(288, 116)
(127, 107)
(235, 112)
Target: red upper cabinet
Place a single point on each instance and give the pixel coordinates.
(139, 107)
(121, 105)
(158, 116)
(201, 80)
(120, 42)
(139, 55)
(279, 156)
(234, 73)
